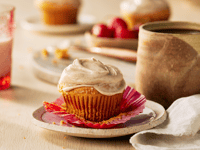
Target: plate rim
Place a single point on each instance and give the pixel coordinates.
(69, 28)
(161, 116)
(93, 41)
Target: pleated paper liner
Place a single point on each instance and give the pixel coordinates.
(94, 107)
(132, 104)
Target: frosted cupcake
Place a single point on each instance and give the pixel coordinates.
(92, 90)
(137, 12)
(58, 12)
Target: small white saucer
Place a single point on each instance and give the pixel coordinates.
(33, 23)
(153, 115)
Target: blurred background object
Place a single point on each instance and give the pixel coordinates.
(137, 12)
(106, 9)
(192, 2)
(58, 12)
(7, 26)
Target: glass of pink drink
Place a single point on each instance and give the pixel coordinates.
(6, 40)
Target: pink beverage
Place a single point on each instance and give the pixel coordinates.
(6, 40)
(5, 62)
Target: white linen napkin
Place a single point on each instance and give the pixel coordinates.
(180, 131)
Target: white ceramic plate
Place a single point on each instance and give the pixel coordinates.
(153, 115)
(33, 23)
(93, 41)
(49, 68)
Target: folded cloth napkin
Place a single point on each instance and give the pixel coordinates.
(180, 131)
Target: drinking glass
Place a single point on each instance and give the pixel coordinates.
(6, 40)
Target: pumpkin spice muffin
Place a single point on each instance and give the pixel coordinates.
(59, 12)
(92, 90)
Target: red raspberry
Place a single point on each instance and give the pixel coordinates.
(125, 33)
(101, 30)
(116, 22)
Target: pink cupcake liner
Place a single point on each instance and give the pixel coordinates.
(132, 104)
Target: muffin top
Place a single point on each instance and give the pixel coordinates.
(143, 6)
(106, 79)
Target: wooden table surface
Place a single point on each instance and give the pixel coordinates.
(28, 92)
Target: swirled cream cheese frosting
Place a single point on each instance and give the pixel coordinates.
(106, 79)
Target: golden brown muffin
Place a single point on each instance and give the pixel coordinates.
(88, 103)
(58, 12)
(92, 90)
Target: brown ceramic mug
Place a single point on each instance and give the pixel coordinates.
(168, 61)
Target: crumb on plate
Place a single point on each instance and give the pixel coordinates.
(61, 53)
(62, 122)
(45, 53)
(54, 61)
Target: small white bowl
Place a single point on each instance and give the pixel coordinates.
(93, 41)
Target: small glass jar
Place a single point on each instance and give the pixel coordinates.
(137, 12)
